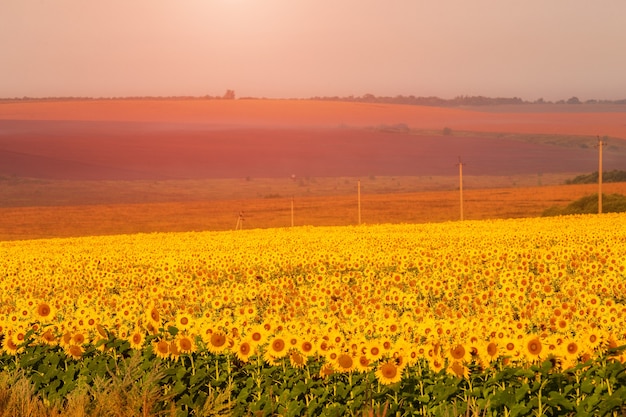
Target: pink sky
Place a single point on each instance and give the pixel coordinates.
(551, 49)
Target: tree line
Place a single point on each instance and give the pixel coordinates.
(459, 100)
(366, 98)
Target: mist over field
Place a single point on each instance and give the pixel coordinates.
(196, 139)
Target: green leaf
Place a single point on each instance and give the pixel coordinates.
(520, 410)
(522, 392)
(178, 388)
(342, 390)
(243, 395)
(556, 399)
(358, 389)
(180, 373)
(295, 408)
(334, 410)
(590, 402)
(424, 399)
(198, 377)
(53, 387)
(298, 389)
(444, 392)
(504, 398)
(615, 401)
(186, 400)
(587, 386)
(54, 359)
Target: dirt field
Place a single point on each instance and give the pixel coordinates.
(72, 168)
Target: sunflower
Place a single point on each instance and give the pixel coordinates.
(186, 343)
(594, 339)
(296, 359)
(388, 372)
(490, 352)
(293, 341)
(74, 351)
(322, 346)
(533, 349)
(511, 348)
(569, 351)
(10, 347)
(436, 364)
(79, 338)
(137, 338)
(48, 337)
(326, 370)
(413, 353)
(66, 339)
(335, 338)
(44, 312)
(153, 316)
(345, 362)
(373, 350)
(307, 348)
(216, 342)
(458, 368)
(244, 349)
(277, 347)
(161, 348)
(363, 364)
(102, 332)
(458, 352)
(183, 321)
(174, 350)
(258, 335)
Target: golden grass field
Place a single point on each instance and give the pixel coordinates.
(326, 210)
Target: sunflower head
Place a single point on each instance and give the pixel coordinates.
(137, 338)
(75, 351)
(345, 362)
(186, 343)
(296, 359)
(161, 348)
(388, 372)
(44, 312)
(216, 341)
(244, 349)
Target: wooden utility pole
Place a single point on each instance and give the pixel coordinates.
(600, 145)
(358, 196)
(291, 211)
(240, 219)
(461, 187)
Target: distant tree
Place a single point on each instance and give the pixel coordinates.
(229, 95)
(573, 100)
(607, 176)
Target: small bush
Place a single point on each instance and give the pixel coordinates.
(611, 203)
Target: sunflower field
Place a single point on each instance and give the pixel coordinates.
(501, 317)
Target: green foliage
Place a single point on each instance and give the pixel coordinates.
(122, 382)
(607, 176)
(611, 203)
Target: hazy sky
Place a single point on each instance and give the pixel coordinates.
(551, 49)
